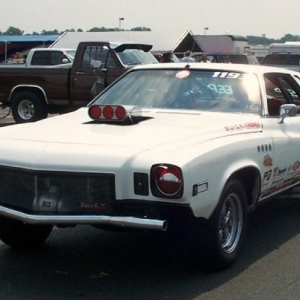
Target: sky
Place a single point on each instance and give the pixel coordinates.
(269, 18)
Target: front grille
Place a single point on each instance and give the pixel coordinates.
(56, 192)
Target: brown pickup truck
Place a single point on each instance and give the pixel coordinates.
(32, 93)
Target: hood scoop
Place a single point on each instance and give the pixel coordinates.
(116, 114)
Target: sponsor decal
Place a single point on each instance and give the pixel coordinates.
(93, 206)
(275, 172)
(268, 161)
(267, 176)
(281, 172)
(245, 126)
(277, 182)
(231, 75)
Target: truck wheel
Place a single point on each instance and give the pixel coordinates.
(19, 235)
(28, 107)
(226, 228)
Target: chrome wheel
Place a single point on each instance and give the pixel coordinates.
(231, 223)
(227, 226)
(26, 109)
(28, 106)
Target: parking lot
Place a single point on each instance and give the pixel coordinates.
(6, 117)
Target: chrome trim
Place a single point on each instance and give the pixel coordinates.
(85, 219)
(28, 86)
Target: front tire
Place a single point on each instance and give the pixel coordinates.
(20, 235)
(27, 107)
(227, 226)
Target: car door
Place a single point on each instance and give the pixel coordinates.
(283, 167)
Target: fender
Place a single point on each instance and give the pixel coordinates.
(19, 87)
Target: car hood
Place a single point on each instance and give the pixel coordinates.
(57, 139)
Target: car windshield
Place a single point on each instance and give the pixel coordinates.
(186, 89)
(132, 57)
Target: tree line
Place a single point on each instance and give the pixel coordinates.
(252, 40)
(17, 31)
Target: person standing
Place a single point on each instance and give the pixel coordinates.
(227, 60)
(204, 58)
(187, 57)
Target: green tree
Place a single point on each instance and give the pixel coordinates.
(140, 29)
(51, 32)
(102, 29)
(263, 40)
(290, 37)
(13, 31)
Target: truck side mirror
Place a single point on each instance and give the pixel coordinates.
(65, 61)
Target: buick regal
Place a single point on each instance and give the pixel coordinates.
(177, 148)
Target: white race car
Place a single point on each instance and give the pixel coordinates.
(173, 147)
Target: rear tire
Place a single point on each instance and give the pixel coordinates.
(19, 235)
(28, 106)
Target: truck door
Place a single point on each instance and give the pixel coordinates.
(96, 69)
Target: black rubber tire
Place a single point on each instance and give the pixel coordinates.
(28, 106)
(19, 235)
(227, 227)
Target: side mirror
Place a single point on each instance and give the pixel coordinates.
(65, 61)
(287, 110)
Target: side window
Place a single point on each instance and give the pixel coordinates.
(56, 58)
(41, 58)
(95, 54)
(294, 59)
(110, 61)
(279, 91)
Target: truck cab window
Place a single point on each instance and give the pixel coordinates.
(98, 54)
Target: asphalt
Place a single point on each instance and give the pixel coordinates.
(6, 117)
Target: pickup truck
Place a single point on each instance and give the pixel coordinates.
(43, 57)
(49, 57)
(33, 93)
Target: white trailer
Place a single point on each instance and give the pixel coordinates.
(287, 47)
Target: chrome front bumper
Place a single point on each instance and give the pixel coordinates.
(125, 222)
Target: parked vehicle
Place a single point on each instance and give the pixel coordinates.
(282, 60)
(43, 57)
(165, 56)
(228, 57)
(33, 92)
(186, 149)
(49, 57)
(287, 47)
